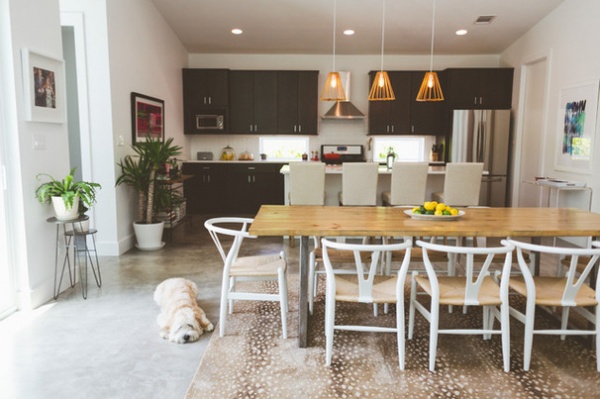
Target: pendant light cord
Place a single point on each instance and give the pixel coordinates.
(334, 18)
(432, 37)
(382, 31)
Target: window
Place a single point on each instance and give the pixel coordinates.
(406, 148)
(284, 148)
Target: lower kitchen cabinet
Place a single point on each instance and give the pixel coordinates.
(232, 188)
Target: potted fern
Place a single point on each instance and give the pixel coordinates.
(66, 195)
(140, 171)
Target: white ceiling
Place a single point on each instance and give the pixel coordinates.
(306, 26)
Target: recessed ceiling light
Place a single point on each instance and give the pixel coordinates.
(461, 32)
(237, 31)
(348, 32)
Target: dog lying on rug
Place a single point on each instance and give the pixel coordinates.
(180, 320)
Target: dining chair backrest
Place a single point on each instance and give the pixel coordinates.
(474, 277)
(365, 275)
(359, 183)
(462, 183)
(216, 227)
(307, 183)
(576, 274)
(409, 183)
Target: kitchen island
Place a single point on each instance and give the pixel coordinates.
(333, 182)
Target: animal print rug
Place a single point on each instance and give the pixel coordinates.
(253, 361)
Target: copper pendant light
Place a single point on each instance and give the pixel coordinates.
(333, 90)
(382, 87)
(430, 88)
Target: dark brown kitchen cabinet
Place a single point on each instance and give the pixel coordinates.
(253, 185)
(392, 117)
(426, 118)
(297, 106)
(232, 188)
(480, 88)
(253, 102)
(205, 91)
(205, 190)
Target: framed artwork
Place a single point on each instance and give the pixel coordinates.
(147, 118)
(577, 111)
(44, 86)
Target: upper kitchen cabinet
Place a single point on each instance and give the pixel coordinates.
(426, 118)
(297, 104)
(480, 88)
(253, 102)
(392, 117)
(205, 92)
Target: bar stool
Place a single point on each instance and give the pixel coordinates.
(359, 184)
(408, 184)
(307, 185)
(462, 184)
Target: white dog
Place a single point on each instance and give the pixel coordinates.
(181, 320)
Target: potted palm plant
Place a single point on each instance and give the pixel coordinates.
(66, 195)
(140, 171)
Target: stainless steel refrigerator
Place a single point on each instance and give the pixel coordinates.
(483, 136)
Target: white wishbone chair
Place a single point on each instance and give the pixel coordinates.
(271, 267)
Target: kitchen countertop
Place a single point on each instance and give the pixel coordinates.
(383, 170)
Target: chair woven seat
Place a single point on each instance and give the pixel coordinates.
(549, 290)
(259, 265)
(452, 290)
(346, 290)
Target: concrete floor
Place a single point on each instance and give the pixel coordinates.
(108, 345)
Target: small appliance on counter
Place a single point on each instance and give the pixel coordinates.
(246, 156)
(338, 154)
(204, 156)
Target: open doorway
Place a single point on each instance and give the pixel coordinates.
(7, 288)
(532, 131)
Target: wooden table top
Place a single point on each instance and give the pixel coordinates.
(280, 220)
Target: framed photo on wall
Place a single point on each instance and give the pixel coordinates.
(577, 111)
(44, 86)
(147, 118)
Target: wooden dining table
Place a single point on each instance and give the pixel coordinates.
(307, 221)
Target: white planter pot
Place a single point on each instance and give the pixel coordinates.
(149, 236)
(62, 213)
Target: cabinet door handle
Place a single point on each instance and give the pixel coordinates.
(412, 128)
(299, 128)
(480, 100)
(387, 128)
(251, 128)
(210, 100)
(475, 100)
(208, 178)
(392, 128)
(255, 128)
(294, 128)
(249, 179)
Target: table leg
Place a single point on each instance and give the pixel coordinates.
(536, 256)
(303, 294)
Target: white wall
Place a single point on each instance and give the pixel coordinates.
(330, 131)
(130, 48)
(31, 238)
(570, 35)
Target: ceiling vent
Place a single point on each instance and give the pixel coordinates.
(484, 19)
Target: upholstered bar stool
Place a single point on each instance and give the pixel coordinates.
(462, 184)
(307, 185)
(408, 184)
(359, 184)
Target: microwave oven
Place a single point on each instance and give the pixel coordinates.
(210, 122)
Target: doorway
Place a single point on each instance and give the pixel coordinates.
(532, 131)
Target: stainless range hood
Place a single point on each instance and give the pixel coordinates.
(344, 109)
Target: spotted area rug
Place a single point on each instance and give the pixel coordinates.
(253, 361)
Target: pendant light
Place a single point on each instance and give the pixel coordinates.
(333, 90)
(430, 88)
(382, 87)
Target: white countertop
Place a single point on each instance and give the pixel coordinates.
(383, 170)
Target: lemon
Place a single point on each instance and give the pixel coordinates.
(453, 211)
(430, 206)
(440, 207)
(438, 212)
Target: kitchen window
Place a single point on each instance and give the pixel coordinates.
(284, 148)
(411, 149)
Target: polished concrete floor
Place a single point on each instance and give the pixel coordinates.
(108, 346)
